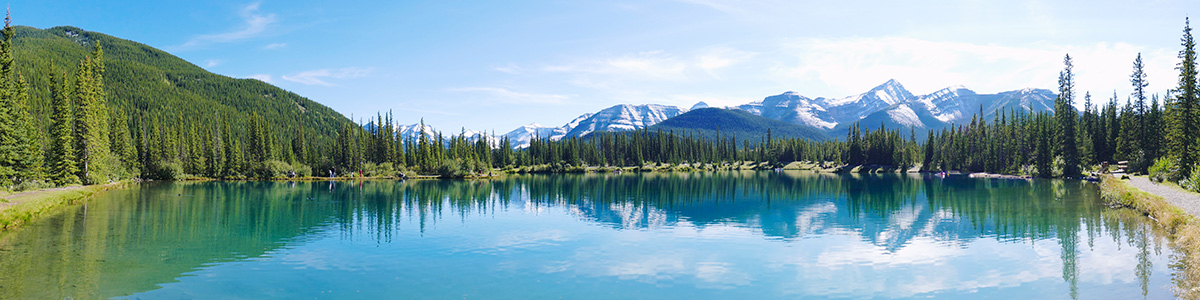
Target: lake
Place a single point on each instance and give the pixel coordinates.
(717, 235)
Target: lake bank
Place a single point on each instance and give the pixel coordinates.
(23, 207)
(1181, 224)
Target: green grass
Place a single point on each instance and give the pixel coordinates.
(30, 206)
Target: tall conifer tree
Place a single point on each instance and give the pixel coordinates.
(1064, 113)
(20, 160)
(1183, 129)
(1139, 81)
(62, 160)
(91, 120)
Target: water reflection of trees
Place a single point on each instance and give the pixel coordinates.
(149, 235)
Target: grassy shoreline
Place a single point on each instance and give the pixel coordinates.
(21, 208)
(1184, 229)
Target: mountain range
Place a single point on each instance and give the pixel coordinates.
(791, 114)
(889, 104)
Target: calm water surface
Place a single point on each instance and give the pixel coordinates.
(725, 235)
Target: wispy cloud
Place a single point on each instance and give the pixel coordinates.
(321, 76)
(262, 77)
(510, 69)
(853, 65)
(254, 25)
(508, 96)
(274, 46)
(213, 63)
(658, 65)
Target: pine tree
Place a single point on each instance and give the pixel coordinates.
(19, 152)
(233, 150)
(1127, 142)
(1183, 129)
(1064, 114)
(63, 167)
(122, 143)
(1113, 129)
(1139, 81)
(91, 120)
(1154, 129)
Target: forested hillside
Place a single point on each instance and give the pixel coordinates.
(173, 103)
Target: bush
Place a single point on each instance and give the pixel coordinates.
(30, 185)
(378, 170)
(453, 168)
(1192, 183)
(279, 169)
(1164, 169)
(164, 170)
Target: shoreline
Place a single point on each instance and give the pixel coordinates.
(20, 208)
(1182, 228)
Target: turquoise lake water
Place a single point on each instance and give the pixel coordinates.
(720, 235)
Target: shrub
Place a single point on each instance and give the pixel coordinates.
(163, 170)
(1164, 169)
(453, 168)
(1192, 183)
(378, 170)
(29, 185)
(280, 169)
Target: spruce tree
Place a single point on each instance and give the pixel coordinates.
(63, 167)
(1183, 129)
(1139, 81)
(1127, 141)
(1064, 114)
(122, 143)
(91, 120)
(19, 152)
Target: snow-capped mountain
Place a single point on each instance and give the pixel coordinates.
(895, 107)
(625, 117)
(793, 108)
(858, 106)
(889, 104)
(622, 117)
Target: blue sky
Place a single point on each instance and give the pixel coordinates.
(496, 65)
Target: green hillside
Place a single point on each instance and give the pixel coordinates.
(153, 84)
(707, 122)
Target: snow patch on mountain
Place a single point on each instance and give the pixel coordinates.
(625, 117)
(905, 115)
(945, 104)
(791, 107)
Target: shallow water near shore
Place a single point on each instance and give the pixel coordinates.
(718, 235)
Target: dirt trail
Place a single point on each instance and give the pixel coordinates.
(14, 199)
(1188, 201)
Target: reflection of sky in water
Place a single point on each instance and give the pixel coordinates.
(811, 248)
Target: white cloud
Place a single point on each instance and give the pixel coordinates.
(719, 58)
(649, 65)
(321, 76)
(653, 66)
(255, 25)
(213, 63)
(510, 69)
(274, 46)
(853, 65)
(262, 77)
(509, 96)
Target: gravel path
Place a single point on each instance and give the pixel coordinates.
(1188, 201)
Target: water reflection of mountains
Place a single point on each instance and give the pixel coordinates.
(886, 210)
